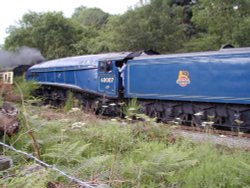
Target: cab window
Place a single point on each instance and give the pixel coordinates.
(106, 66)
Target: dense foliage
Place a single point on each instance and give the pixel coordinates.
(166, 26)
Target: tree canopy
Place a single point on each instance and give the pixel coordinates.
(167, 26)
(90, 17)
(51, 33)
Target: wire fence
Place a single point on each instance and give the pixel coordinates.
(81, 183)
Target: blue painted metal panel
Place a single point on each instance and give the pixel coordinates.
(60, 77)
(108, 84)
(36, 76)
(50, 76)
(41, 77)
(70, 77)
(108, 81)
(87, 79)
(216, 77)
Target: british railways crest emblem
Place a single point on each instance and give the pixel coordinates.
(183, 78)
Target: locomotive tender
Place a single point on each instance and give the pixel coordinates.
(193, 87)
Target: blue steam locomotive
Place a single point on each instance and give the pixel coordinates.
(191, 87)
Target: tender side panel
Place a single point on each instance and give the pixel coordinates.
(223, 79)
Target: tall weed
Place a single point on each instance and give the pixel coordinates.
(132, 108)
(69, 104)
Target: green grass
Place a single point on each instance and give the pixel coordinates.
(217, 169)
(125, 155)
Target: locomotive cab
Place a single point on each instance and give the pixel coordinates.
(108, 78)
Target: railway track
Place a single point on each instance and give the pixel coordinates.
(214, 131)
(210, 130)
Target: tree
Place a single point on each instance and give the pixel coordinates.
(92, 21)
(241, 34)
(154, 26)
(220, 22)
(90, 17)
(50, 32)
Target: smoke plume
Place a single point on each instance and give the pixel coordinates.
(23, 56)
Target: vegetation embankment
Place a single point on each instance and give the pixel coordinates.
(119, 154)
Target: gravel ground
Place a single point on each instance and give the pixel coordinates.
(227, 141)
